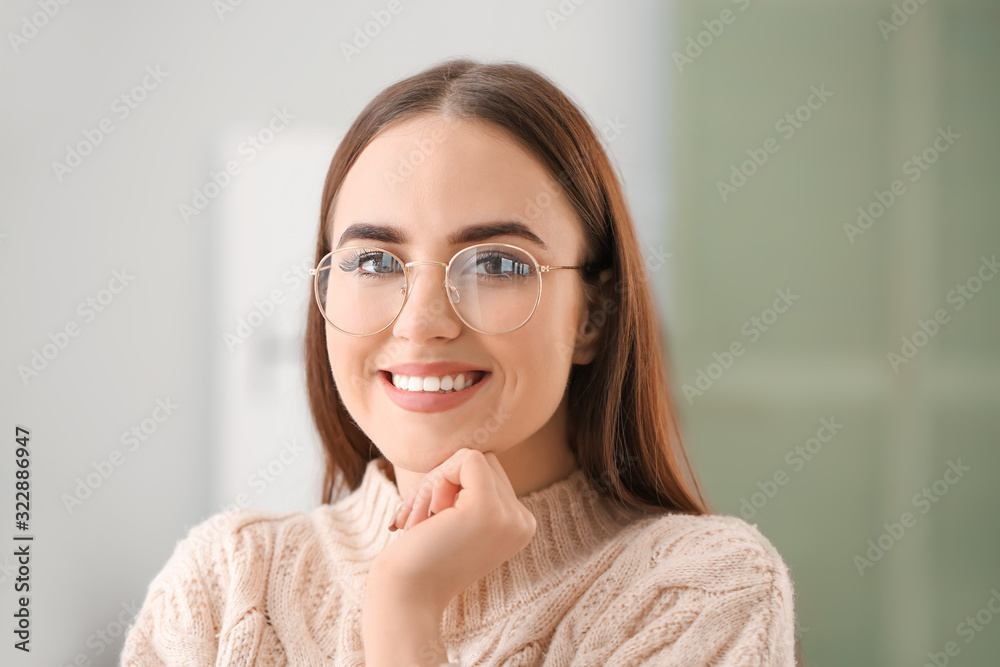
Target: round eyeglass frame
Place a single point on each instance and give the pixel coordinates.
(449, 287)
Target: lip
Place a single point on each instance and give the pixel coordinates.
(420, 401)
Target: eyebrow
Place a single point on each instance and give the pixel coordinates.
(466, 235)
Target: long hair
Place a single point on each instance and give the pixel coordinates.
(622, 426)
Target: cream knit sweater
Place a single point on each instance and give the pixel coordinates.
(591, 588)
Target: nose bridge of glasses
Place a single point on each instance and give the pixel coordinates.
(450, 290)
(424, 261)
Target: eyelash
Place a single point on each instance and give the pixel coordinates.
(354, 260)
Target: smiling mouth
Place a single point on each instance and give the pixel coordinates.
(443, 384)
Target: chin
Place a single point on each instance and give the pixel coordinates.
(418, 458)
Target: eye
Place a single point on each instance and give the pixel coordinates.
(495, 264)
(369, 263)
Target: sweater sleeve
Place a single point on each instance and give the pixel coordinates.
(178, 621)
(719, 596)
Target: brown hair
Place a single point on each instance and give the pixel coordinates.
(622, 426)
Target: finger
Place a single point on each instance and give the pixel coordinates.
(444, 494)
(407, 505)
(421, 505)
(446, 479)
(469, 470)
(502, 480)
(404, 512)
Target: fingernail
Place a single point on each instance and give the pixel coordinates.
(395, 515)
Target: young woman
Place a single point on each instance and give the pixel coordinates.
(485, 372)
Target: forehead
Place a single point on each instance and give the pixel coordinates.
(431, 176)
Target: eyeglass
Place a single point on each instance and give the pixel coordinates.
(494, 288)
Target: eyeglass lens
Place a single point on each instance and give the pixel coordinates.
(494, 288)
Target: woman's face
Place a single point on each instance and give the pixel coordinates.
(430, 178)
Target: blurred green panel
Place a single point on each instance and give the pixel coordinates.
(964, 531)
(762, 68)
(863, 281)
(971, 218)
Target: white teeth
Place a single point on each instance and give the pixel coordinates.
(444, 383)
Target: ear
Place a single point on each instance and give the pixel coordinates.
(592, 321)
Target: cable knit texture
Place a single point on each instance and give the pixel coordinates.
(594, 587)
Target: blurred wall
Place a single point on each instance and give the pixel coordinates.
(838, 319)
(150, 354)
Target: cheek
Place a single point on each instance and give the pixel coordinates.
(346, 356)
(552, 333)
(337, 369)
(335, 352)
(543, 350)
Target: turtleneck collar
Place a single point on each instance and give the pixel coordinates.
(572, 520)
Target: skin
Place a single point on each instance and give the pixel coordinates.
(471, 172)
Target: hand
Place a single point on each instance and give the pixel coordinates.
(462, 521)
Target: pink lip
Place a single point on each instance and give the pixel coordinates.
(419, 401)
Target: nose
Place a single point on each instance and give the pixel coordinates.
(427, 313)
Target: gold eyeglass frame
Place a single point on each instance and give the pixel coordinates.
(450, 288)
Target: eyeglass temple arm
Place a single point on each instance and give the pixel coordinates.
(543, 269)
